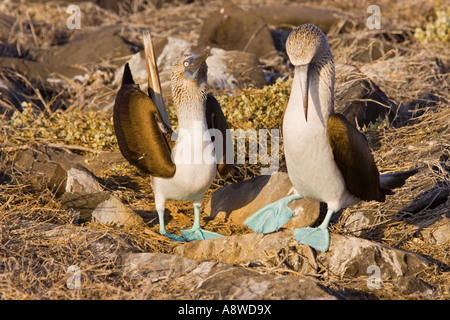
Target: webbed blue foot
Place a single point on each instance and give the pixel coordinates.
(272, 216)
(162, 228)
(197, 233)
(318, 238)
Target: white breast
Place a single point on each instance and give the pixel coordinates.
(196, 168)
(309, 158)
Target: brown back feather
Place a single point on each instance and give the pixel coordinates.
(216, 120)
(354, 159)
(139, 135)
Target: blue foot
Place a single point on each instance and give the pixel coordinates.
(199, 234)
(173, 237)
(318, 238)
(273, 216)
(162, 228)
(314, 237)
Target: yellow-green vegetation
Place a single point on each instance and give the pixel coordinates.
(256, 109)
(436, 30)
(89, 129)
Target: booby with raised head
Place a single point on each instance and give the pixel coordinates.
(185, 168)
(327, 158)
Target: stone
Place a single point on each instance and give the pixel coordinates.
(212, 280)
(350, 257)
(437, 233)
(114, 212)
(413, 286)
(232, 28)
(240, 200)
(253, 249)
(359, 222)
(362, 102)
(157, 264)
(90, 47)
(294, 15)
(228, 70)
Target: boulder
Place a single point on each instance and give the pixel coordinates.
(350, 257)
(362, 102)
(271, 250)
(296, 14)
(240, 200)
(232, 28)
(229, 70)
(90, 47)
(189, 279)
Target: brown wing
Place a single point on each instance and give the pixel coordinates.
(216, 120)
(137, 124)
(354, 159)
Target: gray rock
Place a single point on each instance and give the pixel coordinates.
(253, 249)
(232, 28)
(240, 200)
(362, 102)
(295, 14)
(413, 286)
(350, 257)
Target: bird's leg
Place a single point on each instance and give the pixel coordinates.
(272, 216)
(318, 238)
(197, 233)
(162, 228)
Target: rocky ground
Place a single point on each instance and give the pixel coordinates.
(78, 222)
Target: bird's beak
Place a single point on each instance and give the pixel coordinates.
(302, 73)
(197, 61)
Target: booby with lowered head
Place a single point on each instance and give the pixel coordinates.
(182, 169)
(327, 158)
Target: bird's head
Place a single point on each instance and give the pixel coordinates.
(306, 45)
(189, 77)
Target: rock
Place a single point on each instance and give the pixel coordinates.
(90, 47)
(236, 283)
(46, 71)
(253, 249)
(362, 102)
(101, 207)
(294, 15)
(240, 200)
(157, 264)
(52, 166)
(229, 70)
(350, 257)
(79, 179)
(359, 222)
(232, 28)
(113, 212)
(413, 286)
(211, 280)
(437, 233)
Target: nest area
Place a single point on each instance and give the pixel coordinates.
(34, 256)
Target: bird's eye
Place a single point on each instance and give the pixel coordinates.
(186, 63)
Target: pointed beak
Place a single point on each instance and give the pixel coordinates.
(302, 73)
(197, 60)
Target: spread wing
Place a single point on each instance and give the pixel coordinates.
(142, 136)
(354, 159)
(223, 146)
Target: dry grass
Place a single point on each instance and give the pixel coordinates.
(38, 241)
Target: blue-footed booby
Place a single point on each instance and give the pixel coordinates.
(182, 169)
(327, 158)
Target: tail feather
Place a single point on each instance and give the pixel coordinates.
(127, 77)
(389, 181)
